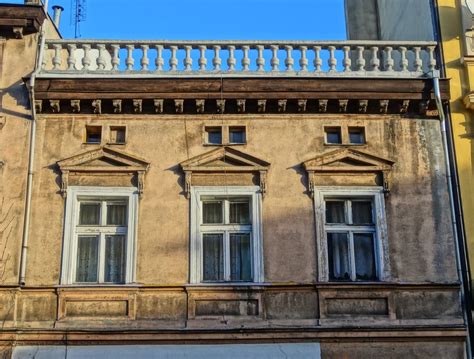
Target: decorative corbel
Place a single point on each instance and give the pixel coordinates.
(158, 103)
(386, 181)
(302, 105)
(39, 106)
(282, 105)
(241, 105)
(97, 106)
(200, 106)
(137, 105)
(18, 32)
(261, 105)
(187, 183)
(76, 106)
(404, 106)
(363, 104)
(3, 120)
(383, 106)
(323, 105)
(55, 106)
(343, 105)
(220, 106)
(64, 183)
(311, 183)
(140, 182)
(263, 182)
(117, 105)
(179, 106)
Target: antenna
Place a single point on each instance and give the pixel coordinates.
(78, 15)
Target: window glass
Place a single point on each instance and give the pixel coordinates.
(339, 262)
(117, 134)
(356, 135)
(117, 214)
(239, 212)
(333, 135)
(364, 256)
(212, 212)
(115, 259)
(89, 214)
(240, 267)
(362, 212)
(213, 259)
(214, 135)
(87, 259)
(93, 134)
(237, 135)
(335, 212)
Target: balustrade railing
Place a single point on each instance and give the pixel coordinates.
(239, 58)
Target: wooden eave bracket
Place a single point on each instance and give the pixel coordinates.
(19, 20)
(469, 100)
(122, 163)
(366, 163)
(239, 162)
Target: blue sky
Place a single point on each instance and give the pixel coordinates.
(207, 19)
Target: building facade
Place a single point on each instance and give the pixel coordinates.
(246, 198)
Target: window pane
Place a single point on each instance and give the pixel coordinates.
(333, 135)
(356, 136)
(117, 214)
(338, 252)
(214, 135)
(213, 258)
(211, 212)
(362, 212)
(237, 135)
(239, 212)
(115, 259)
(87, 259)
(364, 256)
(240, 263)
(89, 214)
(335, 212)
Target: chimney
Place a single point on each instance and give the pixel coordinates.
(57, 14)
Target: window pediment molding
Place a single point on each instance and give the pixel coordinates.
(103, 160)
(348, 161)
(224, 160)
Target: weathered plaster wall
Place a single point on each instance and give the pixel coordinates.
(420, 243)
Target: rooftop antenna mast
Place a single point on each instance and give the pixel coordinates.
(78, 15)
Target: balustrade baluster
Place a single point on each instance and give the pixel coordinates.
(374, 61)
(260, 59)
(188, 61)
(86, 60)
(418, 65)
(289, 59)
(275, 62)
(145, 61)
(231, 62)
(332, 62)
(129, 61)
(216, 61)
(159, 61)
(245, 59)
(403, 59)
(101, 60)
(303, 59)
(318, 62)
(115, 57)
(389, 61)
(71, 59)
(432, 59)
(202, 58)
(57, 56)
(347, 59)
(360, 59)
(173, 58)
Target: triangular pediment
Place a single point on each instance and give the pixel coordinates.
(224, 159)
(103, 159)
(348, 160)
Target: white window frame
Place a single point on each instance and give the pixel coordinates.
(253, 192)
(376, 194)
(74, 196)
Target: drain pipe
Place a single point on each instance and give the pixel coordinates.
(459, 258)
(31, 155)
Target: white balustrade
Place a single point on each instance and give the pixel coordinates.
(244, 58)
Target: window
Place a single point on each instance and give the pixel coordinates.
(214, 135)
(352, 234)
(99, 239)
(94, 134)
(225, 235)
(117, 135)
(237, 135)
(333, 135)
(356, 135)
